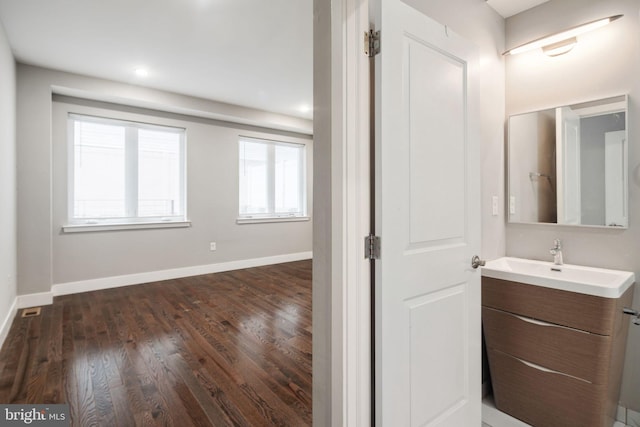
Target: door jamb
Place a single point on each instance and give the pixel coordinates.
(341, 277)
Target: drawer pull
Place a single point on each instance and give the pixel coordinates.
(541, 323)
(543, 369)
(535, 322)
(538, 367)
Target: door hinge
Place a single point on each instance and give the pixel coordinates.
(372, 247)
(371, 43)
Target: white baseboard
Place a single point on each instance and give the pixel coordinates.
(175, 273)
(34, 300)
(7, 321)
(46, 298)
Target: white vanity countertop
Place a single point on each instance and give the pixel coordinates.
(599, 282)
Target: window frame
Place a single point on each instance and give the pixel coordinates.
(131, 220)
(272, 216)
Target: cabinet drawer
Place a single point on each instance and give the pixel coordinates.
(579, 311)
(545, 398)
(571, 351)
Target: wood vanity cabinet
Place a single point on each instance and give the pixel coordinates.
(555, 357)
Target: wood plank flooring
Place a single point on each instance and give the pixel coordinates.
(225, 349)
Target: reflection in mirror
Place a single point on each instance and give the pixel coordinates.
(568, 165)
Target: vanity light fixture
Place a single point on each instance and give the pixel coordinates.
(563, 41)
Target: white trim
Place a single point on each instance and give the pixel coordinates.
(341, 349)
(8, 321)
(81, 228)
(155, 276)
(259, 220)
(34, 300)
(356, 217)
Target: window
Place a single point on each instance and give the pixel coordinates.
(125, 172)
(272, 179)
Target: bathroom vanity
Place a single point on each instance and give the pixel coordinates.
(556, 338)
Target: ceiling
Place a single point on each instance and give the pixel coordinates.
(508, 8)
(254, 53)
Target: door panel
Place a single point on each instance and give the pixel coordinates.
(444, 102)
(427, 211)
(438, 308)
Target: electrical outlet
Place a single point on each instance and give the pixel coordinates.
(494, 205)
(212, 246)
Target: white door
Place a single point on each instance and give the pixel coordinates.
(568, 173)
(615, 178)
(427, 214)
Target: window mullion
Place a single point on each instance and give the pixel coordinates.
(271, 178)
(131, 172)
(302, 173)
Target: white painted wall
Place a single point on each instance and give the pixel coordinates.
(47, 257)
(7, 184)
(604, 63)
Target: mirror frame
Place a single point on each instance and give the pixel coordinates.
(588, 109)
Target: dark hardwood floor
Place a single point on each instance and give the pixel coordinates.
(222, 349)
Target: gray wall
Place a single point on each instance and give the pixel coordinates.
(46, 256)
(324, 367)
(604, 63)
(7, 178)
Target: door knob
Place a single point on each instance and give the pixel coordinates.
(477, 262)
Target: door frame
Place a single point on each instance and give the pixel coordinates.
(341, 216)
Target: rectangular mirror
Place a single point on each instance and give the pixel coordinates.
(568, 165)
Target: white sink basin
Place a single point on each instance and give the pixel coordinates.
(574, 278)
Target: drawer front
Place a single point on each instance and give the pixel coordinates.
(579, 311)
(574, 352)
(545, 399)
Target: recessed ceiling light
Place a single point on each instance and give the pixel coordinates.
(304, 108)
(142, 72)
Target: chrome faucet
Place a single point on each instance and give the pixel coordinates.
(556, 251)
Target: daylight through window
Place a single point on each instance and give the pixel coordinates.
(272, 179)
(125, 171)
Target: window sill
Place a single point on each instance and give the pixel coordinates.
(272, 219)
(81, 228)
